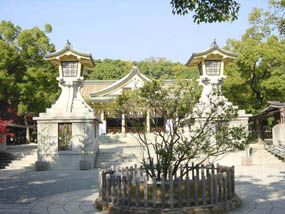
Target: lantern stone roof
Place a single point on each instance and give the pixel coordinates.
(69, 52)
(213, 52)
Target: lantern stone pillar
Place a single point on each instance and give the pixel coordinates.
(68, 131)
(210, 63)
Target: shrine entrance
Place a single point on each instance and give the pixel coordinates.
(157, 124)
(135, 124)
(114, 125)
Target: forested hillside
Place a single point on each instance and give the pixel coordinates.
(157, 68)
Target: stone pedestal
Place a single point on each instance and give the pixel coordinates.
(84, 131)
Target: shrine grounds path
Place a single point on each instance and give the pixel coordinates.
(261, 186)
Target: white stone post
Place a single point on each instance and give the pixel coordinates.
(123, 124)
(103, 125)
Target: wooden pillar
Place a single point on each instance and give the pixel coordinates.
(123, 124)
(148, 121)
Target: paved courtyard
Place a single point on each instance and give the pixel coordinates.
(261, 186)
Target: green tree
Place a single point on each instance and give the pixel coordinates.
(108, 69)
(161, 68)
(27, 80)
(207, 10)
(271, 19)
(183, 142)
(154, 68)
(257, 75)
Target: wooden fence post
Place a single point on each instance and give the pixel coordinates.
(197, 172)
(141, 173)
(211, 176)
(132, 173)
(230, 183)
(221, 187)
(162, 192)
(119, 190)
(215, 189)
(107, 187)
(193, 170)
(233, 180)
(204, 189)
(179, 191)
(207, 172)
(188, 191)
(136, 171)
(113, 189)
(196, 196)
(130, 190)
(100, 182)
(124, 190)
(225, 181)
(171, 192)
(145, 192)
(137, 191)
(154, 192)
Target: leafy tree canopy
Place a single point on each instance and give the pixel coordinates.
(26, 79)
(269, 20)
(257, 75)
(207, 10)
(156, 68)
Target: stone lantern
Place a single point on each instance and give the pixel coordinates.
(210, 63)
(68, 131)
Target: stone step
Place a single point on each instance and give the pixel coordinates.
(24, 160)
(108, 159)
(5, 159)
(27, 162)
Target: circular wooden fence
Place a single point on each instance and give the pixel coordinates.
(131, 187)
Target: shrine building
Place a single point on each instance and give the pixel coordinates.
(101, 93)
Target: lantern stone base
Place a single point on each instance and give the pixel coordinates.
(68, 160)
(83, 143)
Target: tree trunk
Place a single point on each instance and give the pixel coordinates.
(259, 130)
(28, 140)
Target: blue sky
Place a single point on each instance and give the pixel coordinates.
(124, 29)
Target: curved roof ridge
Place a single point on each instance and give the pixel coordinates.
(123, 80)
(67, 47)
